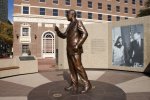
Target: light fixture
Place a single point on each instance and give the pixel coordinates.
(35, 36)
(17, 36)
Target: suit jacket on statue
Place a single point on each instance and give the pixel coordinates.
(76, 34)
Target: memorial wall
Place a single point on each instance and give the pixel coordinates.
(122, 45)
(133, 48)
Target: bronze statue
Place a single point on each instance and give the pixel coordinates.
(75, 34)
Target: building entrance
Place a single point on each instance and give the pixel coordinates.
(48, 45)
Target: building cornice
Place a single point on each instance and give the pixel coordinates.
(49, 19)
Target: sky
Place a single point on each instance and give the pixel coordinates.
(10, 10)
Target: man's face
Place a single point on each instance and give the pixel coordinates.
(136, 36)
(69, 16)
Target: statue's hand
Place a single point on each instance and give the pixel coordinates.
(75, 48)
(56, 28)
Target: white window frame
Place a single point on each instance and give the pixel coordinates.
(118, 9)
(26, 0)
(101, 16)
(26, 49)
(134, 11)
(22, 9)
(98, 6)
(118, 1)
(109, 7)
(66, 4)
(80, 14)
(21, 32)
(126, 10)
(55, 3)
(79, 3)
(141, 2)
(117, 18)
(126, 2)
(43, 54)
(57, 12)
(88, 5)
(42, 2)
(134, 3)
(108, 17)
(24, 33)
(91, 16)
(40, 11)
(65, 13)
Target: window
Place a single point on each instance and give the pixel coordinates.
(48, 44)
(25, 10)
(65, 12)
(99, 5)
(67, 2)
(117, 8)
(79, 3)
(55, 1)
(125, 10)
(117, 18)
(125, 1)
(25, 31)
(42, 0)
(126, 18)
(109, 7)
(109, 17)
(90, 16)
(141, 2)
(79, 14)
(89, 4)
(55, 12)
(133, 11)
(26, 0)
(133, 1)
(100, 17)
(42, 11)
(25, 48)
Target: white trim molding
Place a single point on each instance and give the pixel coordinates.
(25, 39)
(51, 20)
(53, 45)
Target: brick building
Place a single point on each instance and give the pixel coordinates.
(34, 20)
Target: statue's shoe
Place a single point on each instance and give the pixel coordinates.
(69, 88)
(86, 89)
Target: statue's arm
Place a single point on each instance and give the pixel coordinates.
(83, 33)
(59, 33)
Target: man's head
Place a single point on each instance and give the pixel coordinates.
(71, 14)
(137, 36)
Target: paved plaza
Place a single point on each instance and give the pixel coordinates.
(135, 85)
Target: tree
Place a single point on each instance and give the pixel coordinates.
(146, 10)
(147, 4)
(6, 39)
(6, 35)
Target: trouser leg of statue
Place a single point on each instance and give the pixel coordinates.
(73, 74)
(76, 68)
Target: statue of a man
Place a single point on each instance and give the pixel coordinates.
(75, 34)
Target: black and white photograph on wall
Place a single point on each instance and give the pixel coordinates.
(128, 46)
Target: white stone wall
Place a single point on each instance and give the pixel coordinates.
(98, 46)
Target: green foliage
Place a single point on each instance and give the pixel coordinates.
(147, 4)
(146, 10)
(6, 30)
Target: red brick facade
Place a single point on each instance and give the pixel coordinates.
(40, 24)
